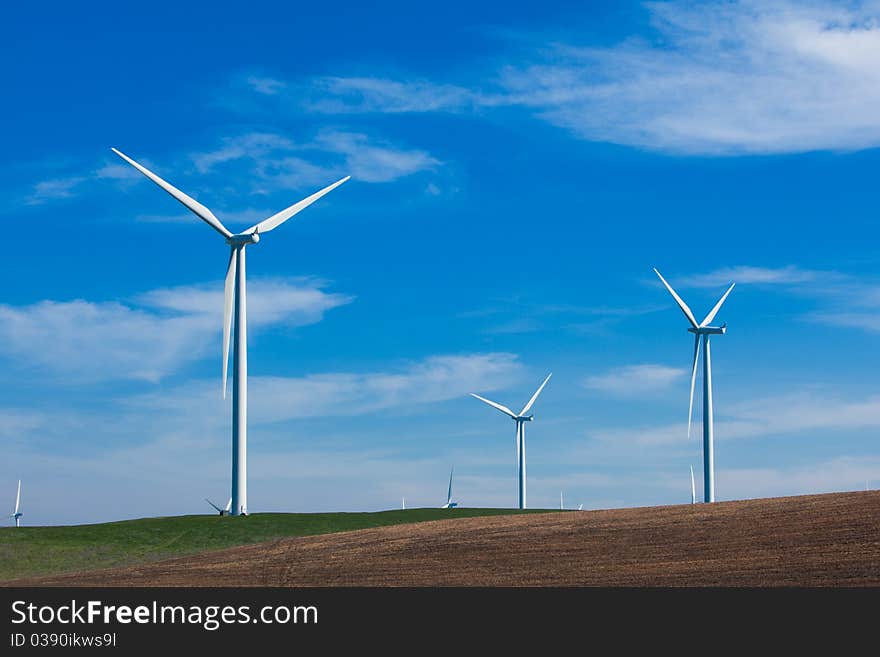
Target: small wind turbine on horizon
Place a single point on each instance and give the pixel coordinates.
(449, 503)
(520, 418)
(693, 487)
(17, 514)
(701, 332)
(224, 511)
(235, 292)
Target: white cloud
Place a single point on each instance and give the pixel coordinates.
(342, 95)
(635, 379)
(275, 399)
(82, 341)
(721, 78)
(372, 161)
(54, 189)
(266, 86)
(745, 274)
(795, 413)
(276, 162)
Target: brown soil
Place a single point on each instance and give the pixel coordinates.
(816, 540)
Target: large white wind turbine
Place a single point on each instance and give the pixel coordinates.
(520, 418)
(449, 503)
(17, 514)
(235, 293)
(701, 332)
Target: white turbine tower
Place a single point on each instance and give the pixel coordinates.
(561, 502)
(520, 418)
(449, 503)
(224, 511)
(701, 332)
(17, 514)
(693, 487)
(235, 292)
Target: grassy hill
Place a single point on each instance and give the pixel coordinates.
(30, 551)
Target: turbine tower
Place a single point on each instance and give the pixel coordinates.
(449, 503)
(693, 487)
(520, 418)
(702, 332)
(17, 513)
(235, 293)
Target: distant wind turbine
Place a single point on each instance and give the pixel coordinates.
(520, 418)
(235, 292)
(224, 511)
(693, 487)
(403, 503)
(449, 503)
(702, 331)
(17, 514)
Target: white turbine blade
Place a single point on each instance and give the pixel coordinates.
(277, 219)
(535, 396)
(693, 382)
(449, 493)
(500, 407)
(228, 505)
(229, 291)
(214, 505)
(18, 497)
(717, 307)
(193, 205)
(681, 304)
(693, 487)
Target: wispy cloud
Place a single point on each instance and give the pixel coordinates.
(714, 78)
(163, 331)
(635, 379)
(277, 162)
(54, 189)
(745, 274)
(782, 415)
(721, 78)
(352, 95)
(265, 85)
(338, 394)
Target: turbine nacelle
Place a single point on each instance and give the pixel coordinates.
(709, 330)
(243, 238)
(523, 418)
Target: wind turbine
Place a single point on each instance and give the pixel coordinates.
(561, 502)
(403, 503)
(449, 503)
(693, 487)
(224, 511)
(235, 292)
(17, 514)
(702, 332)
(520, 418)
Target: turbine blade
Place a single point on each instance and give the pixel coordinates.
(449, 493)
(693, 381)
(193, 205)
(214, 505)
(229, 292)
(535, 396)
(277, 219)
(228, 505)
(500, 407)
(717, 307)
(693, 487)
(681, 304)
(18, 497)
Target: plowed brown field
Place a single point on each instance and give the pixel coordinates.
(816, 540)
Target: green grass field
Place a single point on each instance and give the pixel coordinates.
(27, 551)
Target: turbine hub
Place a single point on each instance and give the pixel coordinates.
(709, 330)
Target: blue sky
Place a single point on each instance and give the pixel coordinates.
(516, 173)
